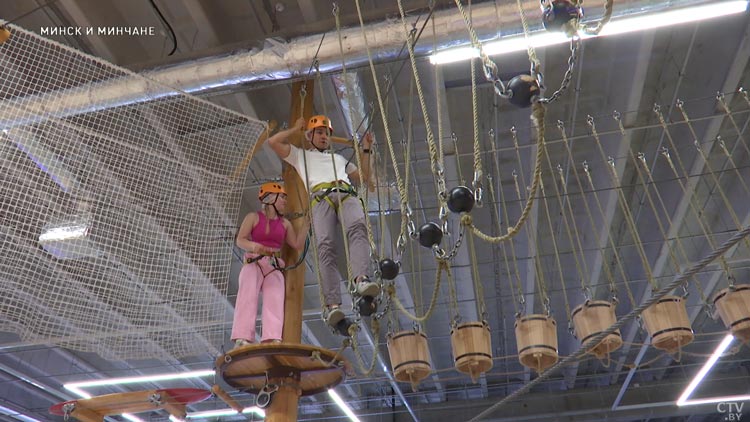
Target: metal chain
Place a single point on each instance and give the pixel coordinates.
(491, 72)
(575, 43)
(440, 254)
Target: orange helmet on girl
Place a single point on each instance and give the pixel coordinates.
(269, 188)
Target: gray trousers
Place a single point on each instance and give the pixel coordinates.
(325, 223)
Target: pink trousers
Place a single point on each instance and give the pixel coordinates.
(255, 278)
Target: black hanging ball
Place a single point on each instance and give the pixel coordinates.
(388, 268)
(367, 305)
(460, 199)
(523, 88)
(558, 13)
(343, 327)
(430, 234)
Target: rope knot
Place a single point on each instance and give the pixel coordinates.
(466, 220)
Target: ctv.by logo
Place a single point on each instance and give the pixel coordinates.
(732, 411)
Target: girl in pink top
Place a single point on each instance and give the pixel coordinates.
(263, 234)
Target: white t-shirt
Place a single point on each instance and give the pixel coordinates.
(320, 166)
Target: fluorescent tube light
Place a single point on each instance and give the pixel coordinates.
(683, 400)
(617, 26)
(673, 17)
(80, 393)
(225, 412)
(131, 418)
(64, 233)
(17, 415)
(340, 402)
(139, 379)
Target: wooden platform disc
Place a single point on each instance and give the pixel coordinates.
(245, 368)
(131, 402)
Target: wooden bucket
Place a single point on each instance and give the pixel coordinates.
(472, 348)
(733, 305)
(668, 324)
(536, 338)
(409, 356)
(591, 318)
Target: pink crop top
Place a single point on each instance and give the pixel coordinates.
(274, 238)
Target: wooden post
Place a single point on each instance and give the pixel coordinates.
(284, 404)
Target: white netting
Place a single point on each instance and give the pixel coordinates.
(117, 209)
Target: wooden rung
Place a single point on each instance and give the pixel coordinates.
(249, 156)
(226, 398)
(340, 140)
(172, 406)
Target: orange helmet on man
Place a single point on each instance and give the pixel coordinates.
(319, 121)
(269, 188)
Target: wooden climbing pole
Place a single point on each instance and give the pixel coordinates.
(297, 201)
(283, 408)
(278, 374)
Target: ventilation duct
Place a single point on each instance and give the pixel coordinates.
(280, 61)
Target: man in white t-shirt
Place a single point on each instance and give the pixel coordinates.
(328, 177)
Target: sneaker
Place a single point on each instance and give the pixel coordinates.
(240, 342)
(365, 287)
(335, 315)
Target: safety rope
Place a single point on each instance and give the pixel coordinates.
(610, 236)
(478, 171)
(602, 213)
(335, 359)
(584, 349)
(573, 240)
(533, 241)
(667, 241)
(439, 90)
(694, 207)
(711, 172)
(436, 166)
(478, 287)
(558, 264)
(737, 173)
(640, 162)
(366, 369)
(623, 205)
(399, 181)
(364, 184)
(537, 118)
(730, 115)
(391, 291)
(452, 298)
(516, 297)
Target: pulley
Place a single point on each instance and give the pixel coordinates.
(388, 268)
(430, 234)
(557, 14)
(343, 327)
(366, 306)
(460, 199)
(524, 89)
